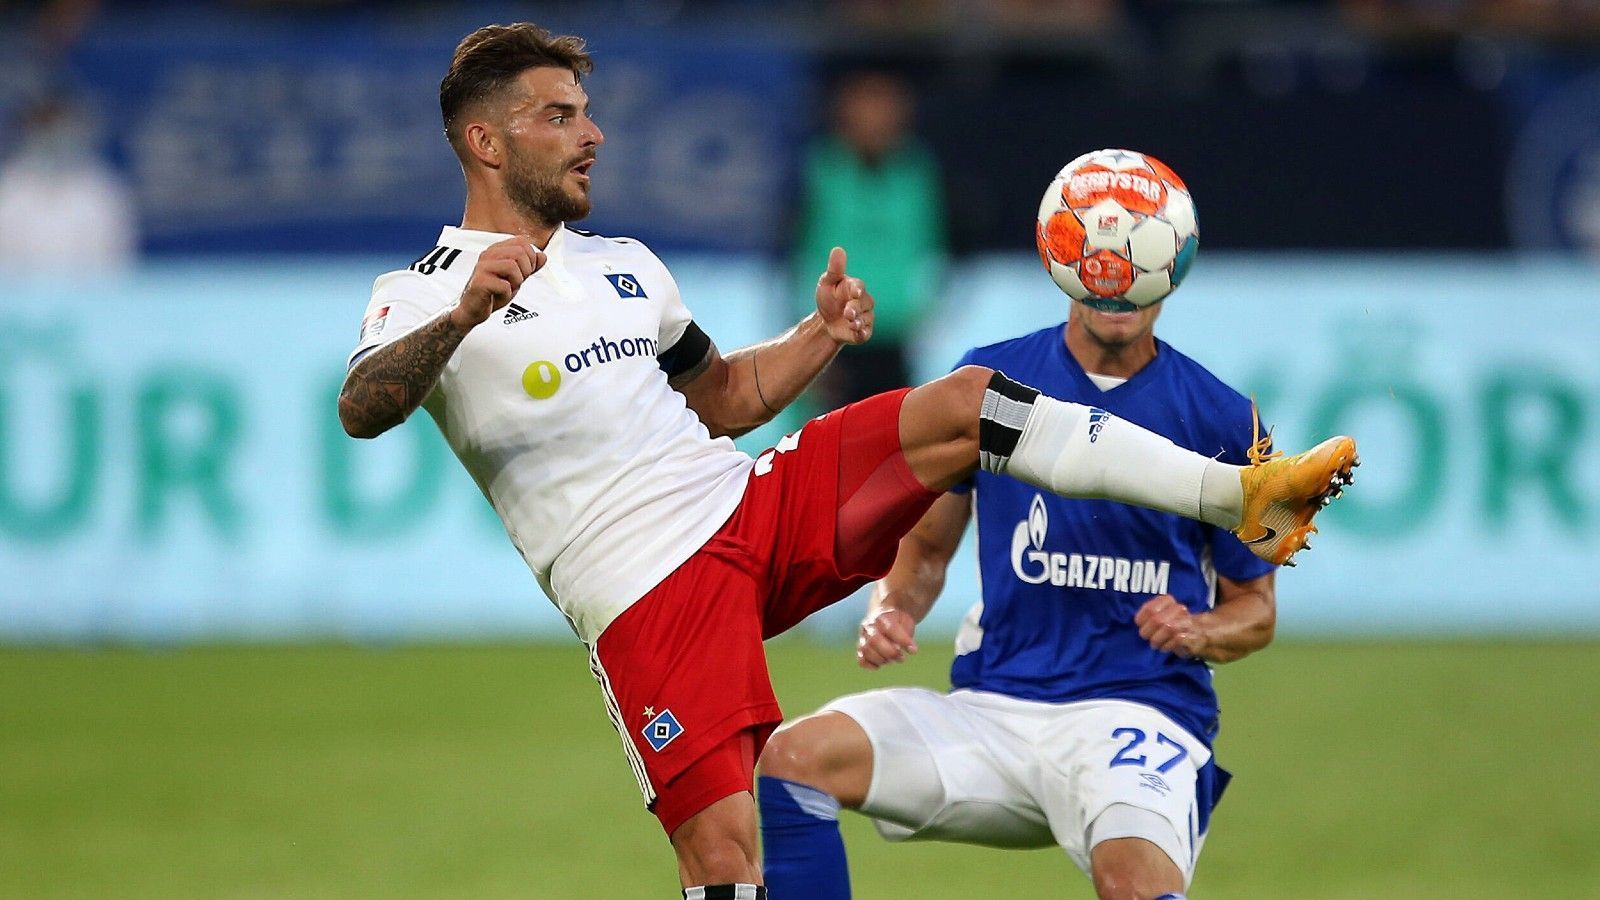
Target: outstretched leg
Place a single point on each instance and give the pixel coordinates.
(978, 417)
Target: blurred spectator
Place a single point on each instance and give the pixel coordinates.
(53, 25)
(1553, 21)
(34, 38)
(62, 208)
(1024, 19)
(871, 187)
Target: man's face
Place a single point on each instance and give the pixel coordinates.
(872, 113)
(550, 145)
(1119, 329)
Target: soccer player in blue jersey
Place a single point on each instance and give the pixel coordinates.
(1082, 712)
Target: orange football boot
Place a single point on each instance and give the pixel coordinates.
(1283, 493)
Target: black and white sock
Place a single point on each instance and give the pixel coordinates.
(1082, 451)
(726, 892)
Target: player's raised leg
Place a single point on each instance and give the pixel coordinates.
(978, 417)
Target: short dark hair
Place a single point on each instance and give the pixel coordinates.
(493, 56)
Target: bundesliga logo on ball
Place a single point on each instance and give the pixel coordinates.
(1117, 230)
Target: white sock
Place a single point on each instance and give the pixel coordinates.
(1081, 451)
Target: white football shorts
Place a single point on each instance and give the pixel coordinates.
(981, 768)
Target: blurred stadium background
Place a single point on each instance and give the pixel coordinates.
(244, 656)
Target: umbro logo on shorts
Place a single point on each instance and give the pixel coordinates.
(515, 314)
(1155, 783)
(662, 730)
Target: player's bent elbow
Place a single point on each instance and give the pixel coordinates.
(726, 428)
(1265, 632)
(356, 424)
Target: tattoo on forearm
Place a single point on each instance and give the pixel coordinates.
(391, 382)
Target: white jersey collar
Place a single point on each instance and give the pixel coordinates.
(478, 241)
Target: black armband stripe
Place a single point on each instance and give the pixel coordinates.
(1006, 407)
(686, 353)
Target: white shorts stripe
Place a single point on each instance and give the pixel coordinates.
(614, 713)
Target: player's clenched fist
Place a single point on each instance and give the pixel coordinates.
(886, 638)
(1170, 627)
(843, 302)
(500, 272)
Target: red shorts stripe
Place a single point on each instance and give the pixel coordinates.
(822, 515)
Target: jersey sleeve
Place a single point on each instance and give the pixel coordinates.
(965, 486)
(682, 344)
(1229, 555)
(400, 302)
(675, 317)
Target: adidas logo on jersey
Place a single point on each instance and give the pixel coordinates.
(515, 314)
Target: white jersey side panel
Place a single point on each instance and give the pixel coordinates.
(604, 478)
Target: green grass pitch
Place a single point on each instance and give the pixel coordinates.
(1364, 771)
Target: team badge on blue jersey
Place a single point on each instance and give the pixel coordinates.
(662, 730)
(627, 286)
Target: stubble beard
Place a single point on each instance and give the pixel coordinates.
(542, 195)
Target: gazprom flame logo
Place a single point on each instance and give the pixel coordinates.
(1038, 522)
(1030, 533)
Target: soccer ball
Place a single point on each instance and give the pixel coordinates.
(1117, 230)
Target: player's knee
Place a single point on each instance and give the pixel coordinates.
(960, 396)
(717, 860)
(795, 754)
(1137, 870)
(1112, 883)
(718, 844)
(1128, 884)
(969, 383)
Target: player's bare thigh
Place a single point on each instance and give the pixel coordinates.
(939, 426)
(828, 751)
(1133, 868)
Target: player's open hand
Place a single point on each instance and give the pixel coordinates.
(843, 302)
(887, 637)
(1170, 627)
(498, 275)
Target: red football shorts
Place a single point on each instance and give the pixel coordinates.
(683, 670)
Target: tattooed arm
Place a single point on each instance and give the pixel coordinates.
(389, 383)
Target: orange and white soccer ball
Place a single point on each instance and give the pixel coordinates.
(1117, 230)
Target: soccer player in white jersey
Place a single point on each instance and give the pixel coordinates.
(573, 384)
(1082, 713)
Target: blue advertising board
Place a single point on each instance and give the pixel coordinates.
(171, 466)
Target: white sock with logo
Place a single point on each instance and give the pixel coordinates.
(1081, 451)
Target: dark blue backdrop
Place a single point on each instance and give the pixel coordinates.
(243, 135)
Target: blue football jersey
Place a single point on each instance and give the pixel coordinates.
(1062, 579)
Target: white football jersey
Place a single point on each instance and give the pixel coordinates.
(559, 408)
